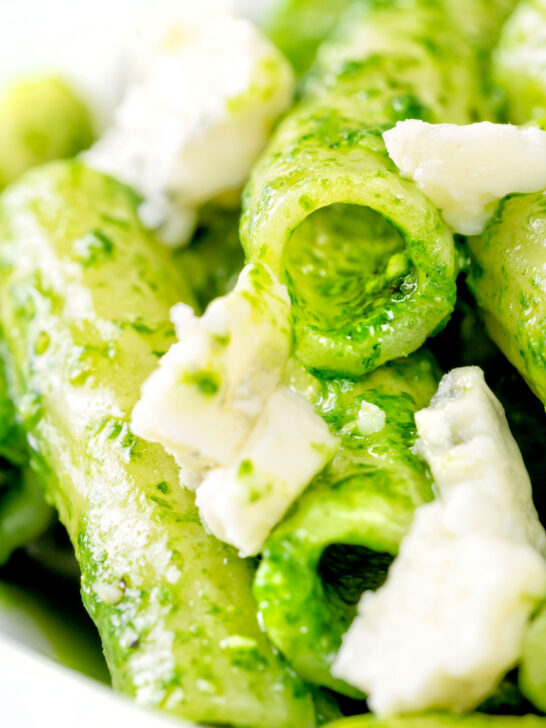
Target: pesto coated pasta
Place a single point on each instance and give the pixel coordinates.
(80, 336)
(507, 280)
(40, 120)
(507, 272)
(201, 352)
(381, 276)
(351, 519)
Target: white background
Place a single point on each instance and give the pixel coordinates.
(86, 40)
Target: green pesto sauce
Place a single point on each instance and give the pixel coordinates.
(207, 383)
(340, 536)
(94, 247)
(245, 468)
(163, 593)
(344, 264)
(386, 62)
(508, 280)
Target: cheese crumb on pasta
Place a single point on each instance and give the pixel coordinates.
(247, 444)
(448, 622)
(195, 118)
(464, 170)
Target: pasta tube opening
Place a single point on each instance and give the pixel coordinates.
(351, 273)
(385, 63)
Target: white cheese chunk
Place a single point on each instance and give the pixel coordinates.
(371, 418)
(464, 170)
(195, 118)
(62, 40)
(248, 445)
(448, 622)
(211, 386)
(288, 446)
(465, 439)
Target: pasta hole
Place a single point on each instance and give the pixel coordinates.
(347, 571)
(342, 263)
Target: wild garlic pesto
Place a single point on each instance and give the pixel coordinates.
(343, 532)
(172, 604)
(508, 280)
(386, 62)
(280, 386)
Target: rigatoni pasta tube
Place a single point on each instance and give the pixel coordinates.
(85, 298)
(343, 532)
(367, 258)
(507, 274)
(508, 282)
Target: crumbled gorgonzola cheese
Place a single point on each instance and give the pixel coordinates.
(245, 442)
(464, 170)
(212, 385)
(371, 418)
(288, 446)
(195, 117)
(448, 622)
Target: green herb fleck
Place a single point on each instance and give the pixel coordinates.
(245, 468)
(93, 248)
(207, 383)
